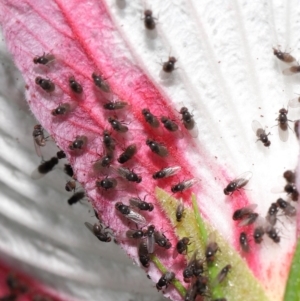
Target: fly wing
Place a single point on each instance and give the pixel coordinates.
(35, 175)
(163, 152)
(193, 258)
(89, 226)
(134, 202)
(136, 217)
(150, 244)
(211, 238)
(243, 212)
(248, 220)
(250, 208)
(243, 179)
(130, 233)
(123, 172)
(283, 135)
(290, 210)
(256, 126)
(194, 131)
(189, 183)
(290, 71)
(178, 134)
(294, 103)
(37, 148)
(170, 171)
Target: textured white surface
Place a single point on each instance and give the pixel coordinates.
(226, 73)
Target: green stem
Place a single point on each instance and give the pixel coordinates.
(176, 283)
(199, 220)
(292, 290)
(213, 269)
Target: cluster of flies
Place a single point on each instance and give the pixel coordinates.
(80, 142)
(46, 166)
(111, 182)
(48, 86)
(17, 288)
(195, 272)
(282, 118)
(149, 237)
(246, 216)
(282, 124)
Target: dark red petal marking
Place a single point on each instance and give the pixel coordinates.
(33, 287)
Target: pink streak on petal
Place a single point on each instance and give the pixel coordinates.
(34, 288)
